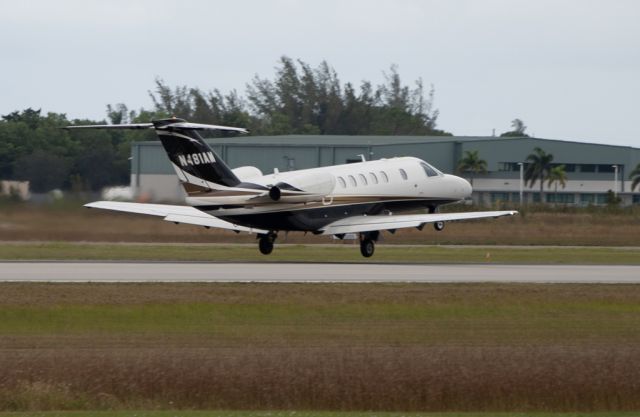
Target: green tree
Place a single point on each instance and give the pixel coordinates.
(472, 163)
(302, 99)
(634, 176)
(28, 116)
(612, 199)
(44, 171)
(517, 130)
(538, 167)
(557, 176)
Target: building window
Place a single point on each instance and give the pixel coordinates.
(606, 168)
(509, 166)
(342, 182)
(384, 175)
(496, 197)
(373, 177)
(352, 180)
(601, 199)
(587, 167)
(363, 179)
(587, 199)
(403, 174)
(560, 198)
(636, 199)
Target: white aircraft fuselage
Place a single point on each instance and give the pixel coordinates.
(330, 193)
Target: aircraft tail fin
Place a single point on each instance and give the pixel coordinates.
(196, 164)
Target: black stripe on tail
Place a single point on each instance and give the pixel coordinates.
(189, 152)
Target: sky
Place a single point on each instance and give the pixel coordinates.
(570, 69)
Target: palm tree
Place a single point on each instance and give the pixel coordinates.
(472, 163)
(557, 175)
(538, 167)
(635, 176)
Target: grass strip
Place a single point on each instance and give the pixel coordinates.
(319, 253)
(227, 413)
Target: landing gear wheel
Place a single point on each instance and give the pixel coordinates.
(367, 247)
(265, 244)
(438, 226)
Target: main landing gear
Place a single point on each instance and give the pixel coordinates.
(367, 243)
(265, 242)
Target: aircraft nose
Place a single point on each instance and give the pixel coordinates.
(466, 187)
(462, 188)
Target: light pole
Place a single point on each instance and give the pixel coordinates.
(615, 180)
(521, 165)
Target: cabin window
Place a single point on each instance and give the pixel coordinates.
(403, 174)
(428, 169)
(342, 182)
(352, 180)
(363, 179)
(384, 175)
(374, 179)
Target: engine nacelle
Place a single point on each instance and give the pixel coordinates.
(303, 188)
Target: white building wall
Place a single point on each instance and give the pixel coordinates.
(576, 186)
(157, 188)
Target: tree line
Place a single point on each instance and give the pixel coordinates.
(304, 100)
(299, 99)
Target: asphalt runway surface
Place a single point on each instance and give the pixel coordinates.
(309, 272)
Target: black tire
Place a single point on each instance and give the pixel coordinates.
(265, 245)
(438, 226)
(367, 247)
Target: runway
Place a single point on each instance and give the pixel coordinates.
(308, 272)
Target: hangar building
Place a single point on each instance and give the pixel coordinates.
(592, 169)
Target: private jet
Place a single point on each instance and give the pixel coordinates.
(358, 198)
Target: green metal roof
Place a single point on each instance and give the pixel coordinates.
(374, 140)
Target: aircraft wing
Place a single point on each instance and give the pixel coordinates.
(176, 214)
(359, 224)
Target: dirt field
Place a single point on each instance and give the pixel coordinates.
(401, 347)
(71, 222)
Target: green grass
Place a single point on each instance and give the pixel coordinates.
(342, 314)
(319, 253)
(355, 322)
(384, 347)
(181, 413)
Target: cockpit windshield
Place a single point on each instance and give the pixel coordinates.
(429, 170)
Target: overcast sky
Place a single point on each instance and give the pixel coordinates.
(570, 69)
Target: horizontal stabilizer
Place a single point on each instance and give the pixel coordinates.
(199, 126)
(358, 224)
(122, 126)
(176, 214)
(178, 125)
